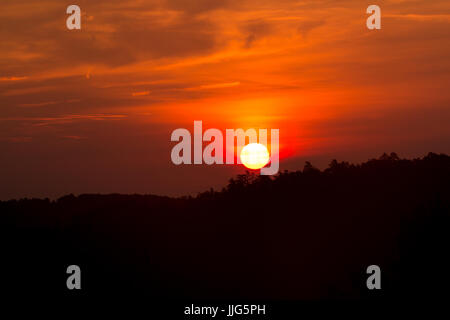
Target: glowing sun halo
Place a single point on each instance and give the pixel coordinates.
(255, 156)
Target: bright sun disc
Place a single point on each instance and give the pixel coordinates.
(255, 156)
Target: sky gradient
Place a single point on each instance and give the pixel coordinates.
(92, 110)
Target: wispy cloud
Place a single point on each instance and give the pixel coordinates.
(140, 93)
(48, 103)
(43, 121)
(40, 104)
(8, 79)
(421, 17)
(220, 85)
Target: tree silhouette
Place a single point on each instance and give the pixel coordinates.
(307, 234)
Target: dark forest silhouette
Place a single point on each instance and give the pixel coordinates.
(308, 234)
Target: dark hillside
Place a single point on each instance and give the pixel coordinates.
(307, 234)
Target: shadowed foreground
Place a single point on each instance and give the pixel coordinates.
(308, 234)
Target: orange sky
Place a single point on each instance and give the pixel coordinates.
(93, 110)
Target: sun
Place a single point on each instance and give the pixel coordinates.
(255, 156)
